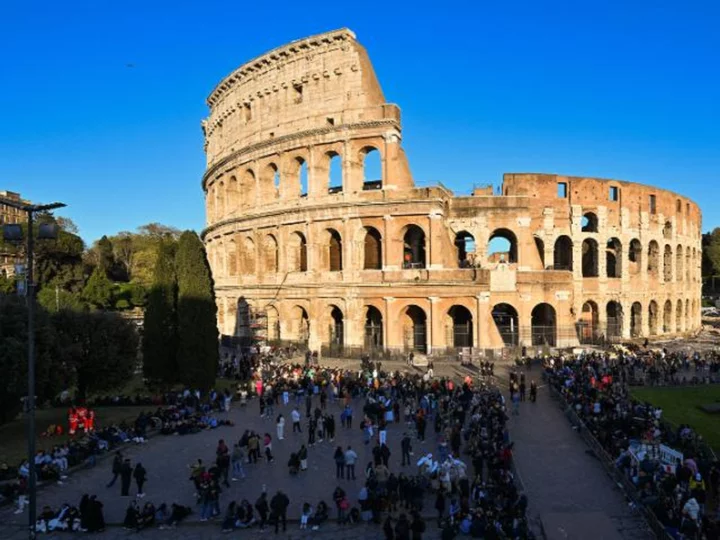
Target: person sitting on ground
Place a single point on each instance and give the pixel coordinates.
(178, 513)
(132, 515)
(245, 516)
(228, 523)
(321, 515)
(147, 516)
(294, 463)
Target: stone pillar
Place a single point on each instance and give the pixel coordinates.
(434, 324)
(433, 249)
(549, 252)
(602, 258)
(388, 342)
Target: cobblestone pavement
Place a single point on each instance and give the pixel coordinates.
(558, 473)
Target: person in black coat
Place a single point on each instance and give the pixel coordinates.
(279, 505)
(116, 468)
(125, 478)
(97, 519)
(140, 475)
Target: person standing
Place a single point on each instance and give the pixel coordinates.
(295, 414)
(116, 467)
(261, 505)
(339, 463)
(533, 391)
(302, 456)
(222, 461)
(405, 445)
(350, 460)
(279, 505)
(126, 473)
(238, 456)
(267, 441)
(140, 475)
(280, 426)
(417, 526)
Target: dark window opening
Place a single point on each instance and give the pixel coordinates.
(562, 190)
(614, 193)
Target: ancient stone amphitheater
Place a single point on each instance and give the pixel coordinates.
(307, 245)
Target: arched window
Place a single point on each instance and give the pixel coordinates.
(373, 329)
(653, 318)
(635, 256)
(588, 324)
(667, 317)
(302, 176)
(679, 326)
(506, 320)
(414, 324)
(667, 264)
(221, 197)
(298, 253)
(414, 247)
(543, 325)
(679, 274)
(248, 188)
(372, 168)
(335, 251)
(502, 247)
(636, 320)
(460, 327)
(270, 254)
(233, 196)
(613, 258)
(667, 230)
(653, 259)
(270, 182)
(335, 177)
(563, 253)
(300, 324)
(589, 258)
(465, 248)
(614, 316)
(373, 249)
(247, 260)
(589, 222)
(336, 335)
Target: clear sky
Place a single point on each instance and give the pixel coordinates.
(617, 89)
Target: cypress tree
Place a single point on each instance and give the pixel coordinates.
(197, 314)
(159, 342)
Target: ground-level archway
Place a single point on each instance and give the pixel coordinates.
(679, 326)
(636, 320)
(460, 327)
(614, 320)
(414, 325)
(653, 318)
(543, 325)
(667, 317)
(587, 326)
(506, 321)
(373, 329)
(300, 325)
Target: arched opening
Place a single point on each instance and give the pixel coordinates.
(221, 197)
(302, 174)
(335, 180)
(688, 264)
(502, 247)
(636, 320)
(614, 320)
(242, 321)
(563, 253)
(543, 325)
(373, 329)
(415, 329)
(653, 318)
(506, 320)
(336, 333)
(414, 247)
(635, 256)
(465, 248)
(300, 324)
(297, 256)
(653, 259)
(460, 327)
(679, 274)
(372, 168)
(248, 188)
(588, 324)
(589, 222)
(270, 254)
(667, 317)
(373, 249)
(335, 256)
(693, 265)
(667, 230)
(233, 196)
(589, 258)
(679, 326)
(688, 324)
(667, 264)
(232, 259)
(270, 175)
(247, 260)
(540, 246)
(273, 324)
(613, 258)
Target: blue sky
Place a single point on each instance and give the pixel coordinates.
(627, 90)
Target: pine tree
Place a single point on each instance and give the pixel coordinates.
(160, 325)
(98, 289)
(197, 315)
(106, 256)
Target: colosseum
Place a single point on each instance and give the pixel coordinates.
(308, 245)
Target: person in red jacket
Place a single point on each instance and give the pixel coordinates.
(82, 416)
(73, 421)
(90, 421)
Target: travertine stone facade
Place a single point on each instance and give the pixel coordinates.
(361, 262)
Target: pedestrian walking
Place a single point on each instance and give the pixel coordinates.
(280, 426)
(267, 442)
(116, 467)
(125, 478)
(238, 456)
(339, 462)
(406, 446)
(262, 507)
(295, 414)
(279, 505)
(140, 475)
(350, 460)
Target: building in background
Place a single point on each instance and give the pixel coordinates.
(8, 260)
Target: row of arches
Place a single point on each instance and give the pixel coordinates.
(590, 224)
(293, 179)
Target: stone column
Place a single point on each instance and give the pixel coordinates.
(434, 323)
(388, 342)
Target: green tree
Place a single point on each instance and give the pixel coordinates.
(138, 294)
(160, 362)
(101, 349)
(7, 285)
(197, 314)
(98, 291)
(106, 256)
(711, 253)
(54, 298)
(137, 252)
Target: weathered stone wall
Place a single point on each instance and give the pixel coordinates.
(381, 262)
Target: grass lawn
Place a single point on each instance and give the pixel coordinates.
(680, 406)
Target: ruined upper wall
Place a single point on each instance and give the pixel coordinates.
(313, 83)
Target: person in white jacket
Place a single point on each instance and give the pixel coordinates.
(280, 427)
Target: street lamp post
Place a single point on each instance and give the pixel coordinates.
(11, 233)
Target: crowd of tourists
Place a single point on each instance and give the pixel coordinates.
(672, 471)
(642, 365)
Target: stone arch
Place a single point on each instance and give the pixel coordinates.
(232, 258)
(636, 319)
(667, 264)
(540, 246)
(248, 257)
(270, 183)
(590, 258)
(465, 249)
(563, 253)
(694, 265)
(335, 172)
(298, 179)
(372, 170)
(588, 325)
(299, 324)
(335, 251)
(502, 246)
(220, 258)
(507, 321)
(297, 252)
(373, 328)
(688, 324)
(613, 258)
(248, 188)
(459, 325)
(667, 230)
(589, 222)
(688, 264)
(273, 324)
(414, 325)
(372, 249)
(233, 196)
(635, 254)
(414, 250)
(220, 200)
(210, 203)
(653, 259)
(667, 317)
(271, 254)
(679, 326)
(614, 320)
(679, 263)
(336, 326)
(543, 325)
(653, 318)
